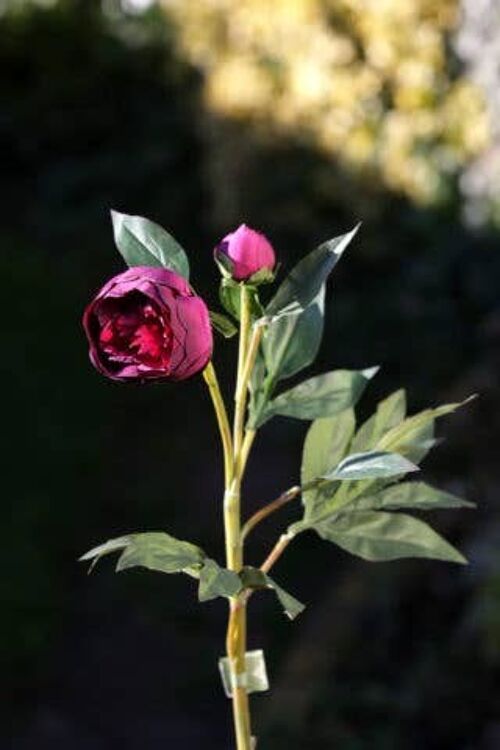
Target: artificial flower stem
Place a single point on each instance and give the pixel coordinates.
(276, 552)
(236, 631)
(222, 419)
(259, 516)
(240, 392)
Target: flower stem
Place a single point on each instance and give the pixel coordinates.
(241, 444)
(222, 420)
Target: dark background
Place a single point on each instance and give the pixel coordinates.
(403, 655)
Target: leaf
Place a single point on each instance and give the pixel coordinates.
(370, 465)
(326, 443)
(222, 324)
(304, 282)
(416, 495)
(321, 396)
(412, 429)
(377, 536)
(112, 545)
(154, 550)
(291, 342)
(253, 578)
(390, 412)
(216, 581)
(141, 242)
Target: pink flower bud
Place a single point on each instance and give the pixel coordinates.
(248, 252)
(146, 324)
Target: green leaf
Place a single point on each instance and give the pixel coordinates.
(112, 545)
(154, 550)
(321, 396)
(412, 429)
(291, 342)
(216, 581)
(370, 465)
(416, 495)
(253, 578)
(390, 412)
(377, 536)
(222, 324)
(326, 444)
(304, 282)
(141, 242)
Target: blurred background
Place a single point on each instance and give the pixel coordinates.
(299, 117)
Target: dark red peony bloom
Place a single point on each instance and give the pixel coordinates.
(146, 324)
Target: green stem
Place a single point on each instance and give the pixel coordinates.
(222, 420)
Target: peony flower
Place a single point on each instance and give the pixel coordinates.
(245, 252)
(146, 324)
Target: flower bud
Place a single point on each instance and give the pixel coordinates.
(244, 253)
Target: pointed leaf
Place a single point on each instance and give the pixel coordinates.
(161, 552)
(371, 465)
(223, 324)
(410, 430)
(216, 581)
(303, 283)
(377, 536)
(416, 495)
(155, 550)
(141, 242)
(292, 342)
(253, 578)
(321, 396)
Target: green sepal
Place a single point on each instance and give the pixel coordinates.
(263, 276)
(254, 578)
(141, 242)
(230, 297)
(223, 324)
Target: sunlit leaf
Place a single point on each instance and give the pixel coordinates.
(416, 495)
(216, 581)
(141, 242)
(370, 465)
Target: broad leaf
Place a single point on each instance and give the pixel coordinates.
(326, 444)
(141, 242)
(377, 536)
(291, 342)
(253, 578)
(223, 324)
(303, 283)
(416, 495)
(154, 550)
(370, 465)
(216, 581)
(321, 396)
